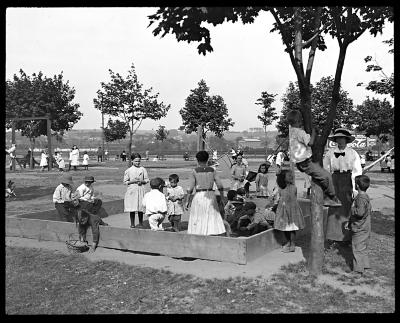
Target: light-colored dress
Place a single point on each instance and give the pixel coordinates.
(262, 184)
(74, 156)
(204, 218)
(288, 216)
(60, 162)
(43, 160)
(134, 193)
(175, 207)
(238, 171)
(85, 161)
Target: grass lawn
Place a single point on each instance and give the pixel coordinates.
(50, 282)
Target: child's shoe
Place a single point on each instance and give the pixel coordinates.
(332, 202)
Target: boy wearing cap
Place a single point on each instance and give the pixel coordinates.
(65, 201)
(85, 194)
(155, 204)
(300, 152)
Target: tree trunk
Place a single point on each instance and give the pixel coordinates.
(32, 140)
(130, 148)
(317, 231)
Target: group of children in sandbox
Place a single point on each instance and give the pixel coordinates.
(238, 216)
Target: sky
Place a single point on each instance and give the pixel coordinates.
(84, 43)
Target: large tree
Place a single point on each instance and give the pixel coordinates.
(320, 102)
(301, 28)
(386, 84)
(268, 113)
(127, 101)
(38, 96)
(204, 110)
(375, 117)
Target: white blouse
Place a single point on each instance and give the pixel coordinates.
(350, 161)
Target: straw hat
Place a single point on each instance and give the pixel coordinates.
(89, 179)
(342, 132)
(66, 179)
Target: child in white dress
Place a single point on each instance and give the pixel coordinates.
(85, 161)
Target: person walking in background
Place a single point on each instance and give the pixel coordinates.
(12, 154)
(238, 173)
(288, 215)
(344, 164)
(262, 181)
(70, 159)
(204, 217)
(360, 225)
(155, 204)
(135, 178)
(123, 156)
(99, 154)
(44, 159)
(174, 196)
(85, 162)
(106, 155)
(279, 160)
(59, 160)
(74, 157)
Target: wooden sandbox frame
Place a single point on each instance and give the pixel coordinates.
(180, 245)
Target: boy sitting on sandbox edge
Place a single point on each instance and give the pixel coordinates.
(300, 144)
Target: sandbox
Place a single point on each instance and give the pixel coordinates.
(42, 226)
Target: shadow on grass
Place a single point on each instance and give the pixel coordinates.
(382, 224)
(33, 192)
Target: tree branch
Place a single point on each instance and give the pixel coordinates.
(314, 44)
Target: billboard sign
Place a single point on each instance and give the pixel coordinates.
(359, 143)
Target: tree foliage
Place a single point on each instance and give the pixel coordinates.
(126, 100)
(202, 109)
(268, 113)
(375, 117)
(321, 96)
(115, 130)
(386, 84)
(37, 96)
(161, 133)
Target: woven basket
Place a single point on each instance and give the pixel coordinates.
(75, 245)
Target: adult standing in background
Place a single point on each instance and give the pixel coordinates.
(279, 160)
(344, 164)
(11, 153)
(74, 156)
(238, 173)
(205, 217)
(99, 154)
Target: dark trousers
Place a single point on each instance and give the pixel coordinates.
(319, 175)
(175, 221)
(94, 221)
(91, 207)
(66, 211)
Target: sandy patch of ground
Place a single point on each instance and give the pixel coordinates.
(262, 267)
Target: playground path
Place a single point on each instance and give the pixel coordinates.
(262, 267)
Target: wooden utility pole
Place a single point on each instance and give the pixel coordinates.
(49, 143)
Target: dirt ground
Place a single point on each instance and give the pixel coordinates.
(34, 193)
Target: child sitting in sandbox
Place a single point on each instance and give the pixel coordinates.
(252, 222)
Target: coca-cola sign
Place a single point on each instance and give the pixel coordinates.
(359, 142)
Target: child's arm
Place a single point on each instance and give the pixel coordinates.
(359, 208)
